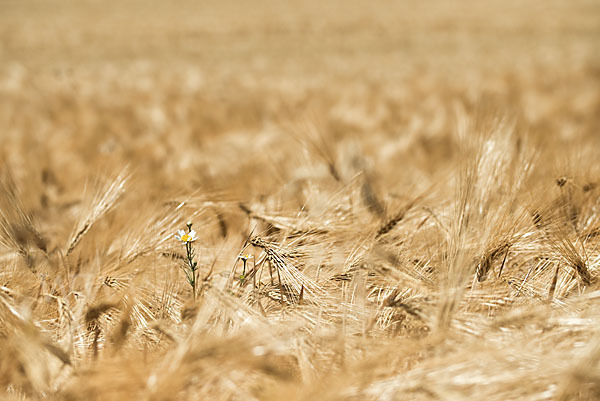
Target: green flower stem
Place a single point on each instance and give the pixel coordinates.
(191, 267)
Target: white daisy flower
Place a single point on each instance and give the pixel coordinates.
(245, 257)
(186, 237)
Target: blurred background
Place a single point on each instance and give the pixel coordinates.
(213, 86)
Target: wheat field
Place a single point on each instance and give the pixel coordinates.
(391, 200)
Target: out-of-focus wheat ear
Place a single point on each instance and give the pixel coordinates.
(17, 230)
(101, 203)
(553, 284)
(397, 218)
(65, 333)
(222, 223)
(31, 347)
(95, 328)
(311, 136)
(65, 322)
(582, 270)
(554, 221)
(488, 259)
(94, 312)
(162, 330)
(119, 335)
(574, 258)
(370, 198)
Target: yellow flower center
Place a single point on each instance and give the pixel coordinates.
(185, 238)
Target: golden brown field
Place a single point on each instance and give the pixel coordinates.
(416, 185)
